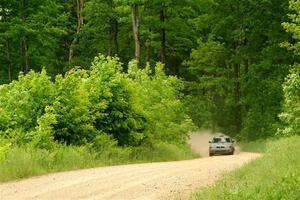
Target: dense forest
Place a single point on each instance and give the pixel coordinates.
(136, 72)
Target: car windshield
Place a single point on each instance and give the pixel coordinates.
(221, 140)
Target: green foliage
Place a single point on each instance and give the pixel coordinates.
(71, 108)
(4, 148)
(91, 117)
(266, 99)
(43, 137)
(158, 100)
(292, 27)
(258, 180)
(22, 104)
(202, 113)
(238, 67)
(82, 105)
(31, 36)
(291, 109)
(208, 86)
(103, 143)
(124, 122)
(259, 146)
(291, 112)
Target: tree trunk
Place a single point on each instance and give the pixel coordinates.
(149, 52)
(79, 11)
(23, 40)
(113, 38)
(246, 79)
(136, 32)
(25, 58)
(8, 54)
(238, 112)
(110, 41)
(8, 60)
(246, 67)
(162, 37)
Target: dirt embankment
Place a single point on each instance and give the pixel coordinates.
(166, 180)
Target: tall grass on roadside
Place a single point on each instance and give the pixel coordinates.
(258, 146)
(275, 175)
(22, 162)
(162, 152)
(25, 162)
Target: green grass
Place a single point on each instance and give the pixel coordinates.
(275, 175)
(258, 146)
(21, 162)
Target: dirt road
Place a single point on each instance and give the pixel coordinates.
(167, 180)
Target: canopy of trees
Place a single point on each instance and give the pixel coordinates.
(237, 70)
(232, 55)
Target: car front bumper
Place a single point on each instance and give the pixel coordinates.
(220, 151)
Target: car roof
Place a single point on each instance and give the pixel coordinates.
(222, 136)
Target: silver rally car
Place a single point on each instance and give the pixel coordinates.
(221, 145)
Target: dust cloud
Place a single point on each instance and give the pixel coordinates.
(198, 141)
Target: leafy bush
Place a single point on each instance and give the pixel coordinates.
(82, 105)
(159, 100)
(291, 110)
(121, 118)
(22, 103)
